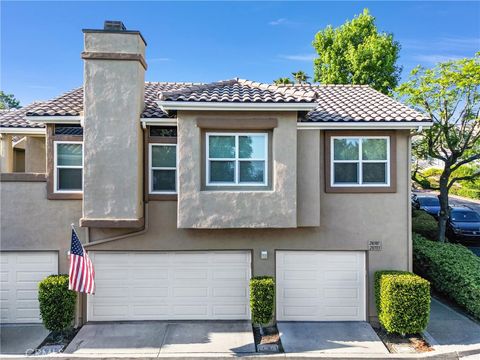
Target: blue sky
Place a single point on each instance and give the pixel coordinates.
(208, 41)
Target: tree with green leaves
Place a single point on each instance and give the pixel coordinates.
(282, 81)
(357, 53)
(300, 77)
(450, 94)
(8, 101)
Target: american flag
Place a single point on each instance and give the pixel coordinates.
(81, 274)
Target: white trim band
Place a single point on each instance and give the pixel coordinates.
(363, 125)
(24, 131)
(239, 106)
(159, 121)
(56, 119)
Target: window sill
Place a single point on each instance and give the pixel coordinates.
(360, 189)
(64, 196)
(162, 197)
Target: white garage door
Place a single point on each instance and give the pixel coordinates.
(20, 273)
(170, 286)
(320, 285)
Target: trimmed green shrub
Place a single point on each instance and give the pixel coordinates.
(453, 270)
(403, 301)
(57, 303)
(424, 224)
(262, 299)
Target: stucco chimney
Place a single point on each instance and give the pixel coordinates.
(114, 81)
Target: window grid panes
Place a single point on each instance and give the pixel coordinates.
(163, 168)
(236, 159)
(360, 161)
(68, 167)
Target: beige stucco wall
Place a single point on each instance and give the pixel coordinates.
(35, 156)
(28, 221)
(272, 208)
(347, 222)
(113, 146)
(6, 153)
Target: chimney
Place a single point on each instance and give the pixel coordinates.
(114, 81)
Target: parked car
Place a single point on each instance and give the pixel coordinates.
(463, 225)
(429, 204)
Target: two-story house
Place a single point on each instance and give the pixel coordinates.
(182, 192)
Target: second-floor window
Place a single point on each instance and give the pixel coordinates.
(360, 161)
(163, 168)
(236, 159)
(68, 163)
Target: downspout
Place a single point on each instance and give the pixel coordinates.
(119, 237)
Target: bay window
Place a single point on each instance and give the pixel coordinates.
(236, 159)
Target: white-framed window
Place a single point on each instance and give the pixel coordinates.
(236, 159)
(68, 167)
(360, 161)
(163, 168)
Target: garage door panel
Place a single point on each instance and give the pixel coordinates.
(184, 285)
(320, 286)
(19, 277)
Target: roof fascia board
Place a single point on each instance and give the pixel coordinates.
(363, 125)
(23, 131)
(159, 121)
(56, 119)
(224, 106)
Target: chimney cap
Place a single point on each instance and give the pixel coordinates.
(114, 25)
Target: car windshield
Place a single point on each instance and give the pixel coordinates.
(429, 201)
(465, 216)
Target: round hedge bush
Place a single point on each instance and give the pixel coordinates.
(57, 303)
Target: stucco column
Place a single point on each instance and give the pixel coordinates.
(6, 153)
(35, 157)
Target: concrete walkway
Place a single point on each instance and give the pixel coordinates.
(449, 330)
(153, 338)
(21, 339)
(330, 338)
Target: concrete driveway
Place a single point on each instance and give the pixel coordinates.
(21, 339)
(330, 338)
(151, 338)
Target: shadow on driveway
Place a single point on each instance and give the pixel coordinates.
(21, 339)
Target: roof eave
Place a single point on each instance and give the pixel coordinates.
(367, 125)
(234, 106)
(52, 119)
(22, 131)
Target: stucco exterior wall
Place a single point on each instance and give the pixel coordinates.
(28, 221)
(347, 222)
(6, 153)
(35, 156)
(113, 151)
(207, 209)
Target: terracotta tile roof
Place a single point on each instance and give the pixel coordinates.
(239, 91)
(357, 103)
(336, 103)
(16, 118)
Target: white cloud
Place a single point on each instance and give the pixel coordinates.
(281, 21)
(436, 58)
(298, 57)
(159, 59)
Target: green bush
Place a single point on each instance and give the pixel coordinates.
(262, 299)
(464, 192)
(403, 301)
(453, 270)
(424, 224)
(57, 303)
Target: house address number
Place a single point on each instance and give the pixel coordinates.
(375, 245)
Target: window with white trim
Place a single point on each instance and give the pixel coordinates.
(236, 159)
(360, 161)
(163, 168)
(68, 167)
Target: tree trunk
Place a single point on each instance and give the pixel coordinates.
(444, 207)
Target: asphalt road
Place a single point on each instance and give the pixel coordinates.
(454, 201)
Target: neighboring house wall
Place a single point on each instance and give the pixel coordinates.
(35, 158)
(274, 207)
(30, 222)
(6, 153)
